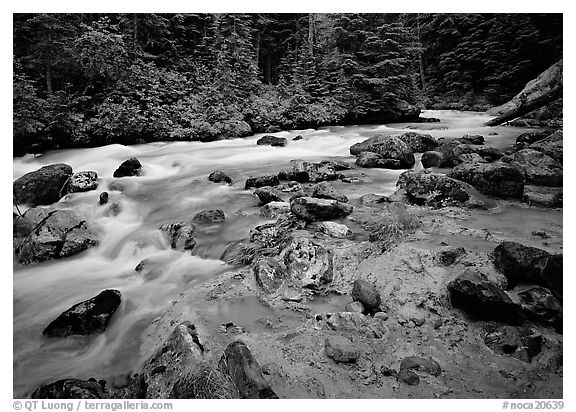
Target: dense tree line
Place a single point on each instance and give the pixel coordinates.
(93, 79)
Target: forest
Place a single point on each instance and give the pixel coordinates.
(95, 79)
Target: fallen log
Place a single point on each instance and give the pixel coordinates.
(538, 92)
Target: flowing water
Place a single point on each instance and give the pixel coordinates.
(173, 188)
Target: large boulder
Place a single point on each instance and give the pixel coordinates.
(43, 186)
(87, 317)
(374, 160)
(529, 265)
(433, 189)
(532, 137)
(538, 169)
(309, 262)
(245, 371)
(209, 216)
(335, 164)
(179, 369)
(130, 167)
(541, 305)
(312, 209)
(313, 172)
(419, 142)
(180, 235)
(268, 194)
(552, 146)
(272, 141)
(43, 234)
(70, 389)
(473, 293)
(551, 197)
(269, 274)
(260, 181)
(431, 158)
(219, 177)
(83, 182)
(389, 147)
(367, 294)
(453, 149)
(520, 343)
(498, 179)
(325, 190)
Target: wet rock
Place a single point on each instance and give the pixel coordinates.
(260, 181)
(272, 141)
(419, 142)
(219, 177)
(530, 265)
(549, 197)
(433, 189)
(304, 172)
(272, 237)
(309, 262)
(325, 190)
(537, 168)
(448, 256)
(87, 317)
(388, 147)
(291, 295)
(431, 159)
(408, 377)
(43, 186)
(498, 179)
(296, 138)
(541, 305)
(83, 182)
(520, 343)
(239, 253)
(552, 146)
(130, 167)
(474, 294)
(355, 306)
(540, 233)
(180, 235)
(44, 234)
(269, 274)
(103, 198)
(268, 194)
(312, 209)
(472, 139)
(70, 389)
(337, 165)
(453, 149)
(245, 371)
(366, 293)
(274, 209)
(374, 160)
(341, 349)
(209, 216)
(416, 363)
(335, 230)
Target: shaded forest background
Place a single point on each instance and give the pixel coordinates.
(96, 79)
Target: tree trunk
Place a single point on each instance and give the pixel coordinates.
(544, 89)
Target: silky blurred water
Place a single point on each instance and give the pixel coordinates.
(173, 188)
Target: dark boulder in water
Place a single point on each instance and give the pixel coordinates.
(219, 177)
(245, 371)
(44, 234)
(433, 189)
(538, 168)
(371, 160)
(210, 216)
(130, 167)
(419, 142)
(260, 181)
(180, 235)
(103, 199)
(498, 179)
(540, 305)
(312, 209)
(267, 195)
(272, 141)
(87, 317)
(389, 147)
(43, 186)
(325, 190)
(431, 158)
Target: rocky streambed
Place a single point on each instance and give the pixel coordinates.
(414, 260)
